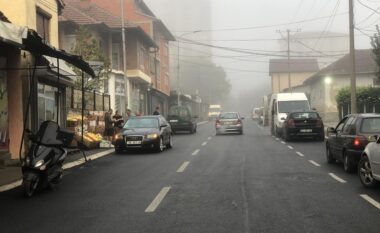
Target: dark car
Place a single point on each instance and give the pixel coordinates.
(303, 124)
(229, 122)
(347, 141)
(180, 119)
(146, 132)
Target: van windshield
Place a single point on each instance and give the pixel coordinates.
(291, 106)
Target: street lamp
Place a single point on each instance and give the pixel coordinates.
(178, 65)
(328, 80)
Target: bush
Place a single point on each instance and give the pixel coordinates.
(364, 95)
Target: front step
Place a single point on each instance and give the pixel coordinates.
(6, 161)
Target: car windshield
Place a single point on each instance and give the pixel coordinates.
(371, 125)
(180, 112)
(304, 115)
(141, 123)
(231, 115)
(289, 106)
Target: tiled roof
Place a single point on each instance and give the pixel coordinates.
(295, 65)
(365, 63)
(85, 12)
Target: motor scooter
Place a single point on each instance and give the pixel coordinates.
(43, 164)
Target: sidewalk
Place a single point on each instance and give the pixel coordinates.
(9, 175)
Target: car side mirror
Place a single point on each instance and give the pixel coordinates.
(282, 118)
(373, 138)
(331, 130)
(163, 126)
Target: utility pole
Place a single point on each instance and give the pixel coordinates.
(288, 31)
(124, 51)
(352, 57)
(289, 78)
(178, 78)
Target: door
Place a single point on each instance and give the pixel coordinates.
(344, 138)
(333, 137)
(165, 130)
(375, 159)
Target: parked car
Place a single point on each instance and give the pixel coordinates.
(369, 164)
(228, 122)
(181, 119)
(303, 124)
(146, 132)
(347, 141)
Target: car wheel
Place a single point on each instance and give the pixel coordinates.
(160, 146)
(329, 157)
(365, 173)
(347, 163)
(170, 144)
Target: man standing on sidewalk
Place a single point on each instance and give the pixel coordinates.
(157, 111)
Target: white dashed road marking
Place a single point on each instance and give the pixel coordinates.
(314, 163)
(283, 142)
(183, 166)
(204, 143)
(277, 139)
(337, 178)
(156, 202)
(196, 152)
(300, 154)
(371, 200)
(209, 138)
(290, 147)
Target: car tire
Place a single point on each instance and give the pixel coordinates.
(170, 143)
(348, 165)
(329, 157)
(365, 173)
(160, 146)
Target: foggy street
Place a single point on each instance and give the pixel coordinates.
(206, 183)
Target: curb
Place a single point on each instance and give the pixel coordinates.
(66, 166)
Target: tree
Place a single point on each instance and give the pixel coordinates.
(88, 47)
(206, 78)
(375, 42)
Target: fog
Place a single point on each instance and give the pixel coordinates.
(243, 24)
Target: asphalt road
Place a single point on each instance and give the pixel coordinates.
(206, 183)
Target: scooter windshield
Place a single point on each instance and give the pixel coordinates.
(48, 133)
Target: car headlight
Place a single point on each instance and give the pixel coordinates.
(118, 136)
(152, 136)
(39, 163)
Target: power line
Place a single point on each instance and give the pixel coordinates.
(368, 7)
(269, 26)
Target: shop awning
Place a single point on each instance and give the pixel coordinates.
(12, 34)
(36, 45)
(29, 40)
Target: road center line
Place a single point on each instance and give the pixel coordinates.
(204, 143)
(370, 200)
(283, 142)
(196, 152)
(300, 154)
(290, 147)
(337, 178)
(314, 163)
(156, 202)
(183, 166)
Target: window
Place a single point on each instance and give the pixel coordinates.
(289, 106)
(116, 56)
(371, 125)
(47, 103)
(43, 26)
(340, 126)
(349, 127)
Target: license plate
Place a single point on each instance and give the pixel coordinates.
(306, 130)
(133, 142)
(227, 123)
(173, 121)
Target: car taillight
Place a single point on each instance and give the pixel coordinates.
(290, 123)
(238, 122)
(217, 122)
(319, 123)
(359, 141)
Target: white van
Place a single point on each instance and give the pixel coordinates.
(283, 103)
